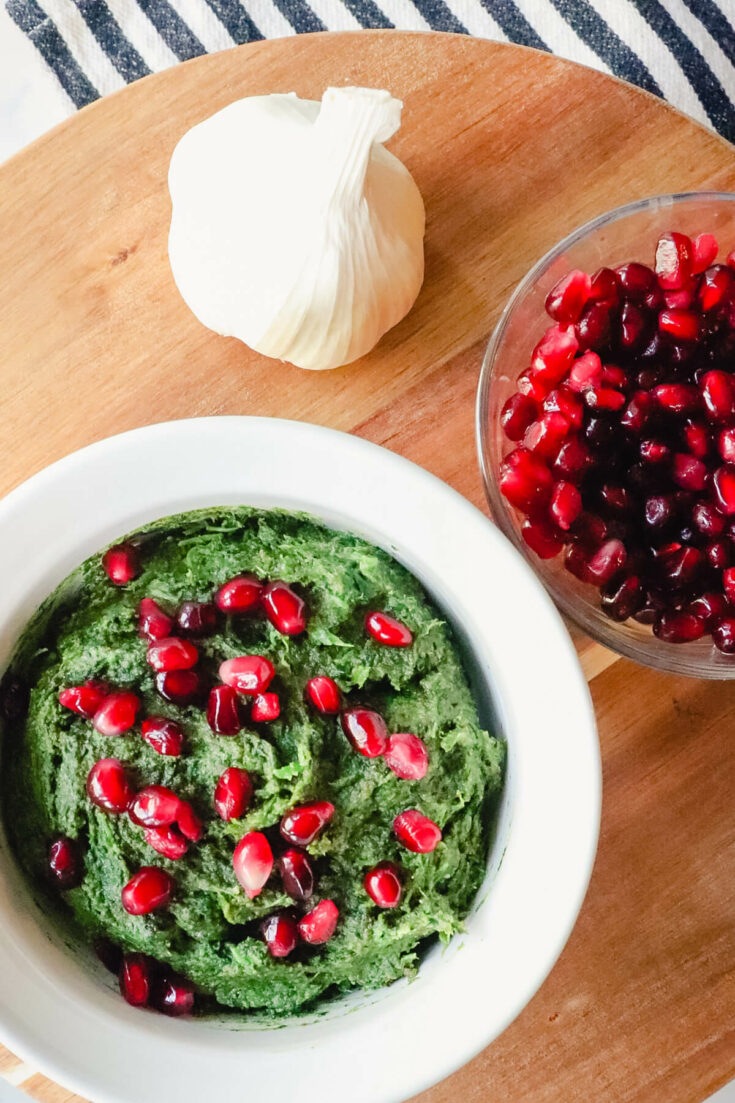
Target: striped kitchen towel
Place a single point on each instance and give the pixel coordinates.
(683, 50)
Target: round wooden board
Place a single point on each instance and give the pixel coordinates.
(511, 149)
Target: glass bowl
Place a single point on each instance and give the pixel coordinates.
(624, 234)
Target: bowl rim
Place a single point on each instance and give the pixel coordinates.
(81, 1034)
(606, 635)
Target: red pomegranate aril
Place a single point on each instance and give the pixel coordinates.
(233, 794)
(613, 376)
(567, 298)
(137, 979)
(84, 700)
(679, 627)
(525, 480)
(532, 386)
(726, 445)
(681, 299)
(249, 674)
(717, 285)
(723, 635)
(171, 653)
(65, 862)
(654, 301)
(163, 735)
(682, 325)
(566, 504)
(604, 398)
(148, 890)
(728, 584)
(658, 510)
(567, 403)
(383, 885)
(116, 714)
(153, 623)
(682, 566)
(575, 561)
(593, 328)
(709, 607)
(180, 687)
(719, 554)
(387, 630)
(688, 472)
(301, 825)
(621, 600)
(223, 711)
(196, 618)
(280, 934)
(572, 460)
(174, 996)
(189, 823)
(636, 280)
(704, 251)
(634, 326)
(239, 595)
(673, 260)
(517, 414)
(284, 608)
(324, 694)
(707, 519)
(406, 755)
(296, 874)
(654, 451)
(718, 392)
(637, 412)
(167, 841)
(319, 924)
(108, 786)
(109, 954)
(616, 498)
(266, 708)
(253, 863)
(605, 286)
(697, 439)
(365, 730)
(723, 485)
(121, 564)
(416, 831)
(730, 259)
(552, 356)
(585, 372)
(589, 530)
(542, 538)
(677, 398)
(606, 561)
(545, 436)
(154, 806)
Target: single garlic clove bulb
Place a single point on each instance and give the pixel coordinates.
(293, 229)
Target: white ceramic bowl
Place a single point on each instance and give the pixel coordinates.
(65, 1016)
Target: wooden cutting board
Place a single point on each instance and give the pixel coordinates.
(511, 149)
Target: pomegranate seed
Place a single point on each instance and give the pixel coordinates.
(616, 498)
(572, 460)
(697, 438)
(682, 566)
(121, 564)
(365, 730)
(681, 299)
(682, 325)
(163, 735)
(223, 711)
(710, 608)
(633, 326)
(154, 806)
(655, 301)
(723, 484)
(566, 504)
(387, 630)
(284, 608)
(704, 251)
(716, 286)
(593, 328)
(153, 623)
(726, 445)
(613, 376)
(532, 386)
(417, 832)
(149, 889)
(605, 287)
(653, 451)
(171, 653)
(719, 554)
(545, 436)
(604, 398)
(301, 825)
(688, 472)
(318, 925)
(636, 280)
(621, 600)
(658, 510)
(174, 996)
(136, 979)
(590, 530)
(406, 755)
(585, 372)
(240, 595)
(541, 538)
(108, 786)
(84, 700)
(180, 687)
(197, 618)
(109, 954)
(167, 841)
(677, 398)
(249, 674)
(718, 392)
(637, 412)
(323, 693)
(116, 714)
(266, 707)
(553, 355)
(233, 794)
(575, 561)
(678, 627)
(723, 635)
(188, 822)
(296, 874)
(65, 862)
(525, 480)
(567, 403)
(606, 561)
(707, 520)
(383, 885)
(728, 583)
(517, 414)
(673, 261)
(280, 934)
(253, 863)
(567, 298)
(730, 259)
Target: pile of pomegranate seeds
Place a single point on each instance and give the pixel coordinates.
(624, 427)
(144, 983)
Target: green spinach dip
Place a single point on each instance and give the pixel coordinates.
(210, 931)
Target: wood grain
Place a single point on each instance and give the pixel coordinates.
(511, 148)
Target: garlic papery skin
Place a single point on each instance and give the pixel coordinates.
(293, 228)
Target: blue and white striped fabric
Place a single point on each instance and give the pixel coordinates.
(682, 50)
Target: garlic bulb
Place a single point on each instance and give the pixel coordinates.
(293, 229)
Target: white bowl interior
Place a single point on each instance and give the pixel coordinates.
(70, 1019)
